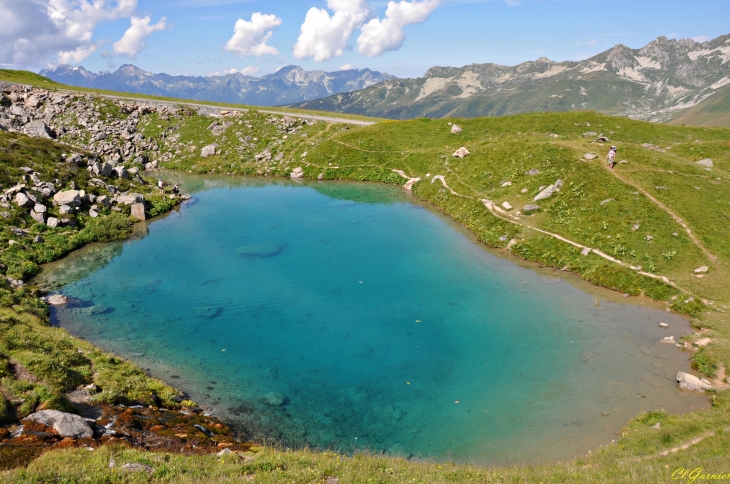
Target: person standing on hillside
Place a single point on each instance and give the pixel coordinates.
(611, 157)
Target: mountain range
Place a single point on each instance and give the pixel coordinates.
(663, 81)
(289, 84)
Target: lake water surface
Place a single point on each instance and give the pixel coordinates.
(345, 316)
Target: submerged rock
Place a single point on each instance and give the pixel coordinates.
(274, 399)
(263, 249)
(56, 299)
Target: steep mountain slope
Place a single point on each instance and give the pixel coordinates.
(713, 111)
(654, 83)
(289, 84)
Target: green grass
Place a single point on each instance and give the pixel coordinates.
(27, 77)
(502, 149)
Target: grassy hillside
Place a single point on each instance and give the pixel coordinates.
(649, 224)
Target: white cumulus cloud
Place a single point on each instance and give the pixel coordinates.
(347, 67)
(246, 71)
(35, 31)
(324, 36)
(251, 37)
(132, 42)
(379, 36)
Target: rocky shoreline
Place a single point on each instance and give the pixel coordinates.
(189, 430)
(110, 156)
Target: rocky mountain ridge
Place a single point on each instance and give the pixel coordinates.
(653, 83)
(289, 84)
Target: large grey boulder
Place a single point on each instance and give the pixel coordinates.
(208, 150)
(53, 222)
(106, 169)
(66, 424)
(104, 200)
(39, 129)
(18, 110)
(39, 217)
(707, 163)
(138, 211)
(33, 101)
(546, 193)
(298, 172)
(121, 172)
(692, 383)
(72, 198)
(22, 200)
(129, 198)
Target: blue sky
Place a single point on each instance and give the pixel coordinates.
(199, 37)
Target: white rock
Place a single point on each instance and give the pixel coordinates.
(692, 383)
(503, 185)
(66, 424)
(590, 156)
(22, 200)
(546, 193)
(707, 163)
(127, 199)
(663, 325)
(461, 153)
(668, 340)
(138, 211)
(506, 206)
(208, 150)
(72, 198)
(701, 270)
(297, 172)
(56, 299)
(456, 129)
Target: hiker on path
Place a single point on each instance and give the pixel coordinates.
(175, 190)
(611, 156)
(161, 186)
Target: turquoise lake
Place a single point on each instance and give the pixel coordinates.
(346, 316)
